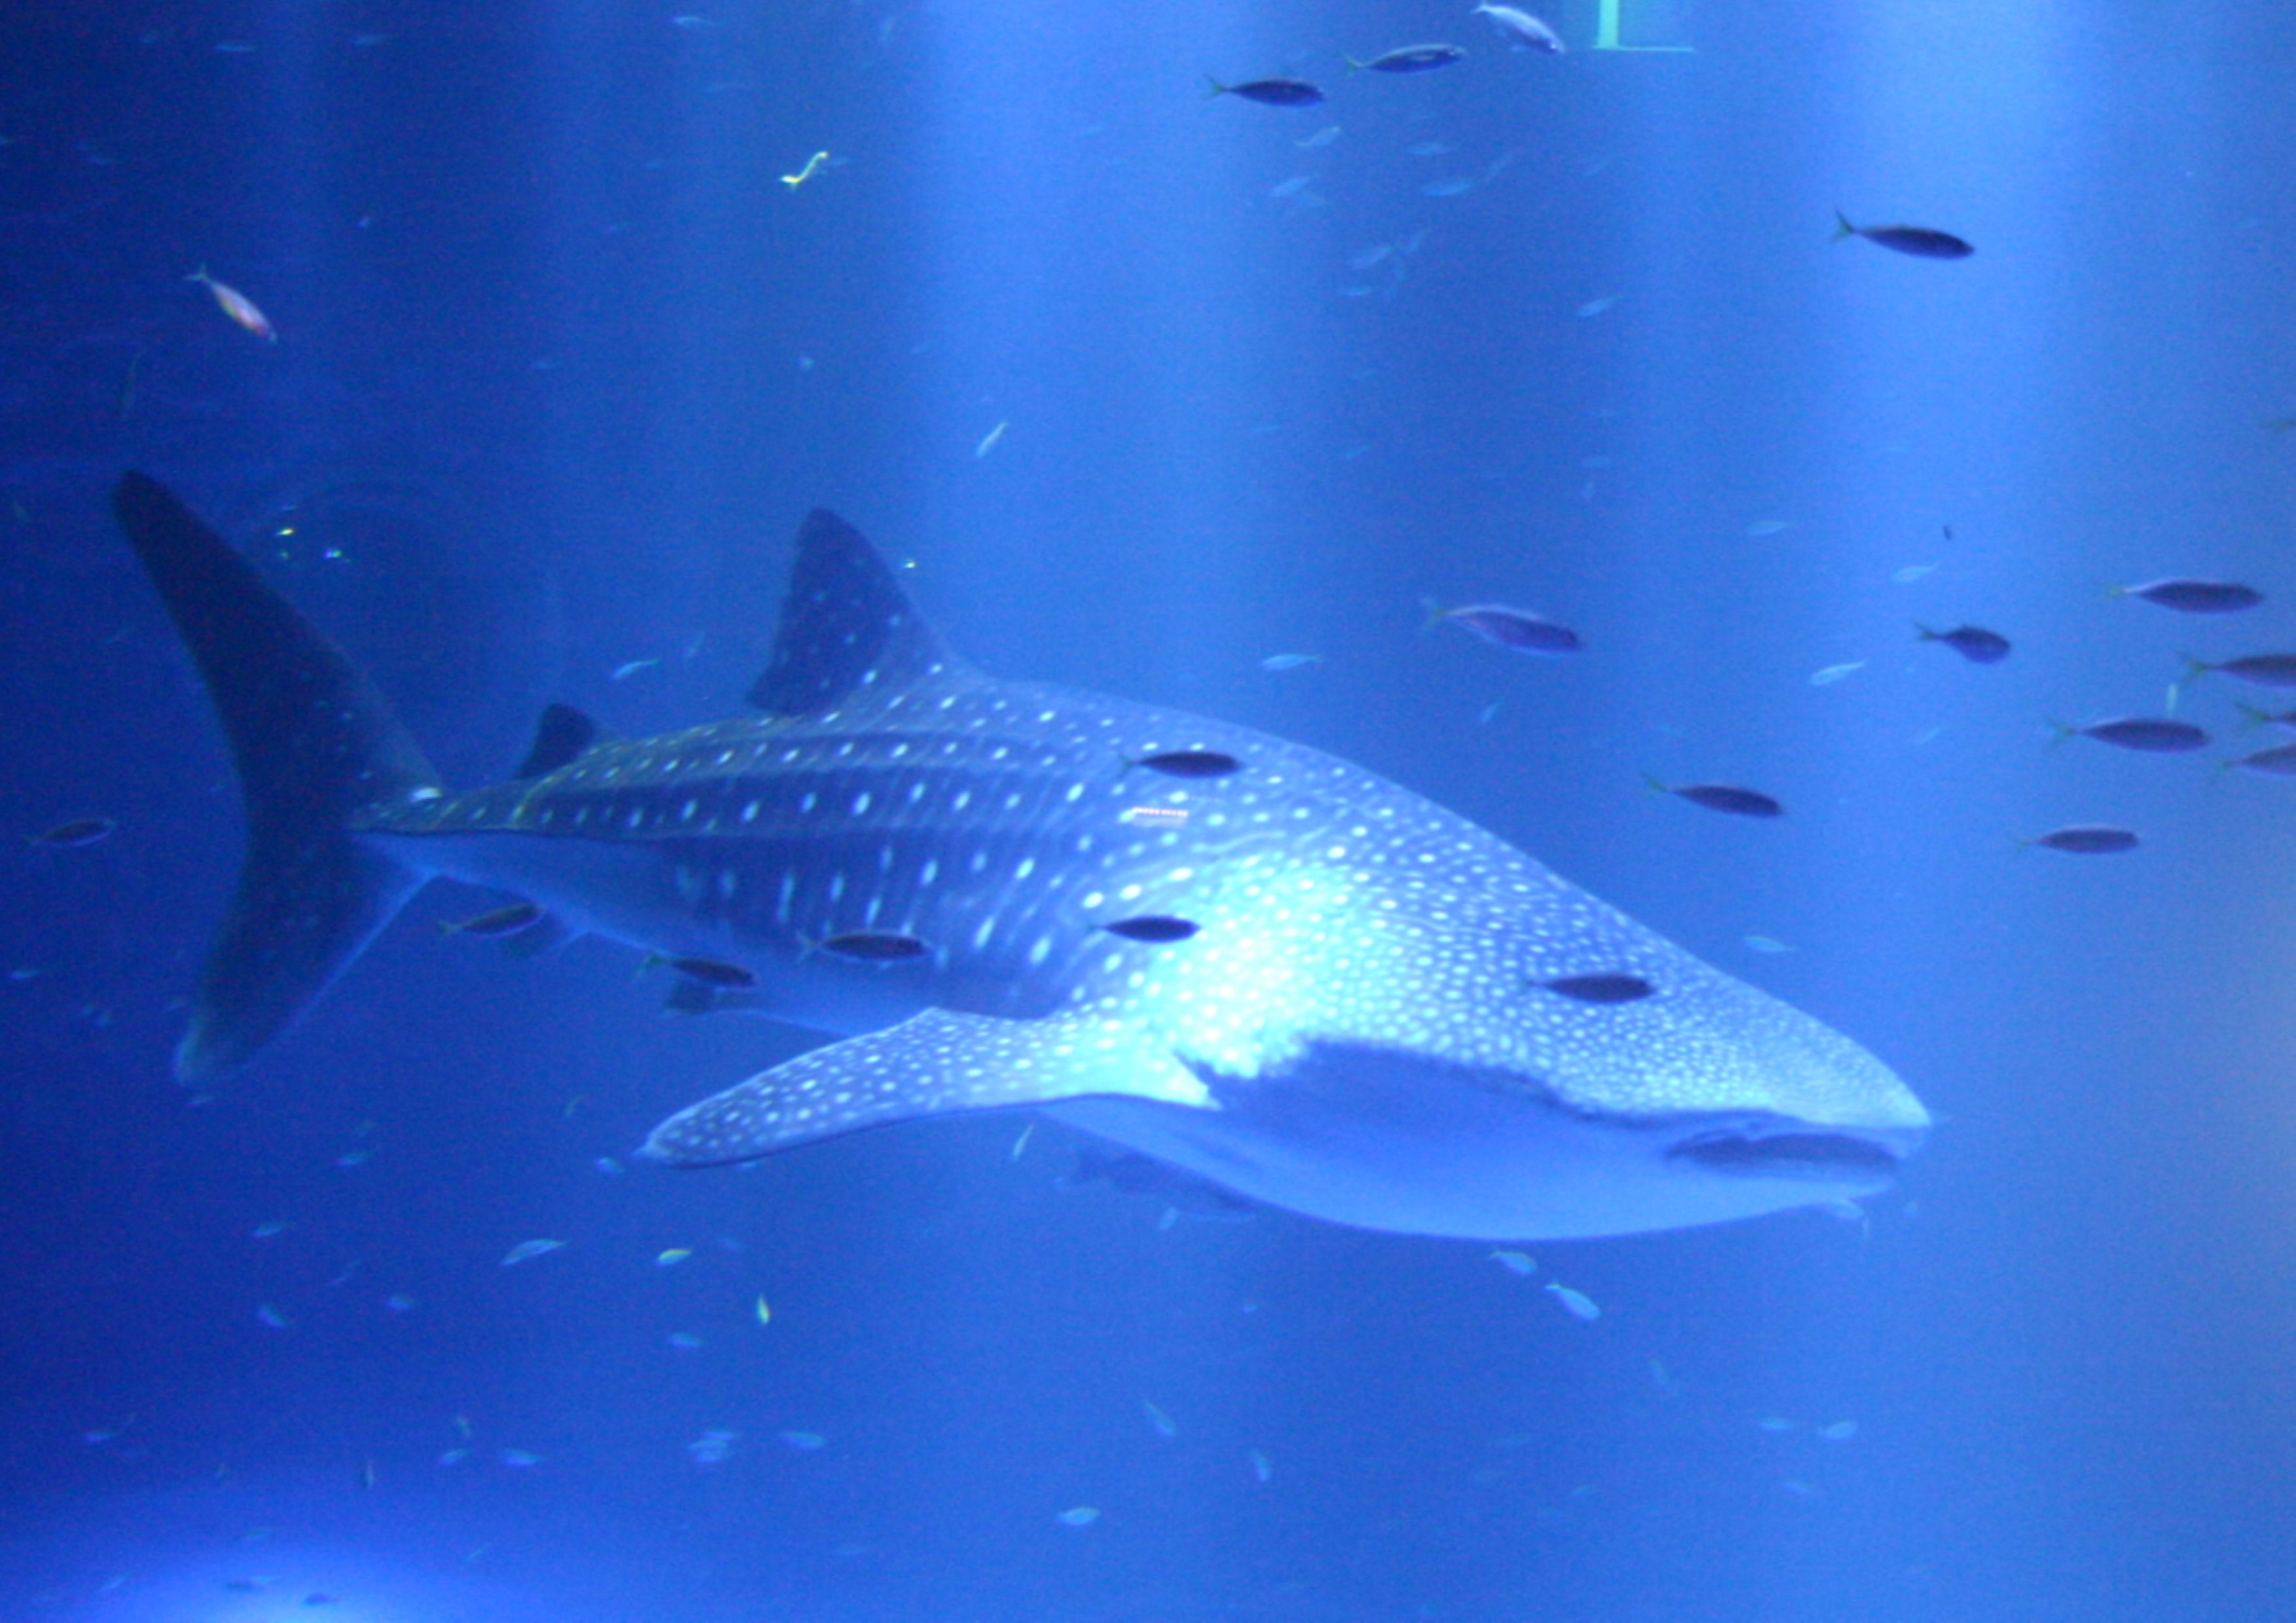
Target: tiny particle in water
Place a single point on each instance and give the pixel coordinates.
(1078, 1516)
(1262, 1467)
(607, 1166)
(1321, 137)
(1774, 1423)
(272, 1230)
(526, 1250)
(1293, 186)
(1454, 187)
(671, 1257)
(452, 1457)
(1595, 307)
(988, 441)
(683, 1341)
(765, 1312)
(1576, 1303)
(1515, 1263)
(519, 1459)
(354, 1157)
(805, 1442)
(1840, 1431)
(77, 832)
(271, 1318)
(1158, 1420)
(1291, 662)
(1912, 572)
(1833, 673)
(1767, 944)
(1767, 526)
(398, 1301)
(630, 667)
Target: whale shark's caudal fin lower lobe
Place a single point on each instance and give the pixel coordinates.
(315, 745)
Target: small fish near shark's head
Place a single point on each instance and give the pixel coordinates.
(1261, 966)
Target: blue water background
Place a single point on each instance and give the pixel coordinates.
(563, 361)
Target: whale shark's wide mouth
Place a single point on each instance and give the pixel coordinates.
(1827, 1157)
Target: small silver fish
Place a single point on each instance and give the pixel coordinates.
(1578, 1304)
(1521, 30)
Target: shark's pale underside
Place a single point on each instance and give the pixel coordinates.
(1357, 1029)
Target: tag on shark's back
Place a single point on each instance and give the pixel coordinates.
(929, 1064)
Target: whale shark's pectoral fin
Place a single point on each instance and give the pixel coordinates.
(929, 1065)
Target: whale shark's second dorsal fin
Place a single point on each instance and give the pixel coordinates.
(559, 738)
(848, 630)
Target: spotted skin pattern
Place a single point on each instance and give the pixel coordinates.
(1354, 1031)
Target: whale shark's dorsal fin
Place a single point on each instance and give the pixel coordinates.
(559, 739)
(846, 628)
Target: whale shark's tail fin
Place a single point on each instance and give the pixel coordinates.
(315, 745)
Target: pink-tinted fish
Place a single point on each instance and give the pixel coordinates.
(237, 305)
(1510, 628)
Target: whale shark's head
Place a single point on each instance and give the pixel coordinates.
(1470, 1046)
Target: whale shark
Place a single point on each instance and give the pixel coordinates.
(1245, 959)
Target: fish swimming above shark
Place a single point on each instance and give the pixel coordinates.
(1354, 1028)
